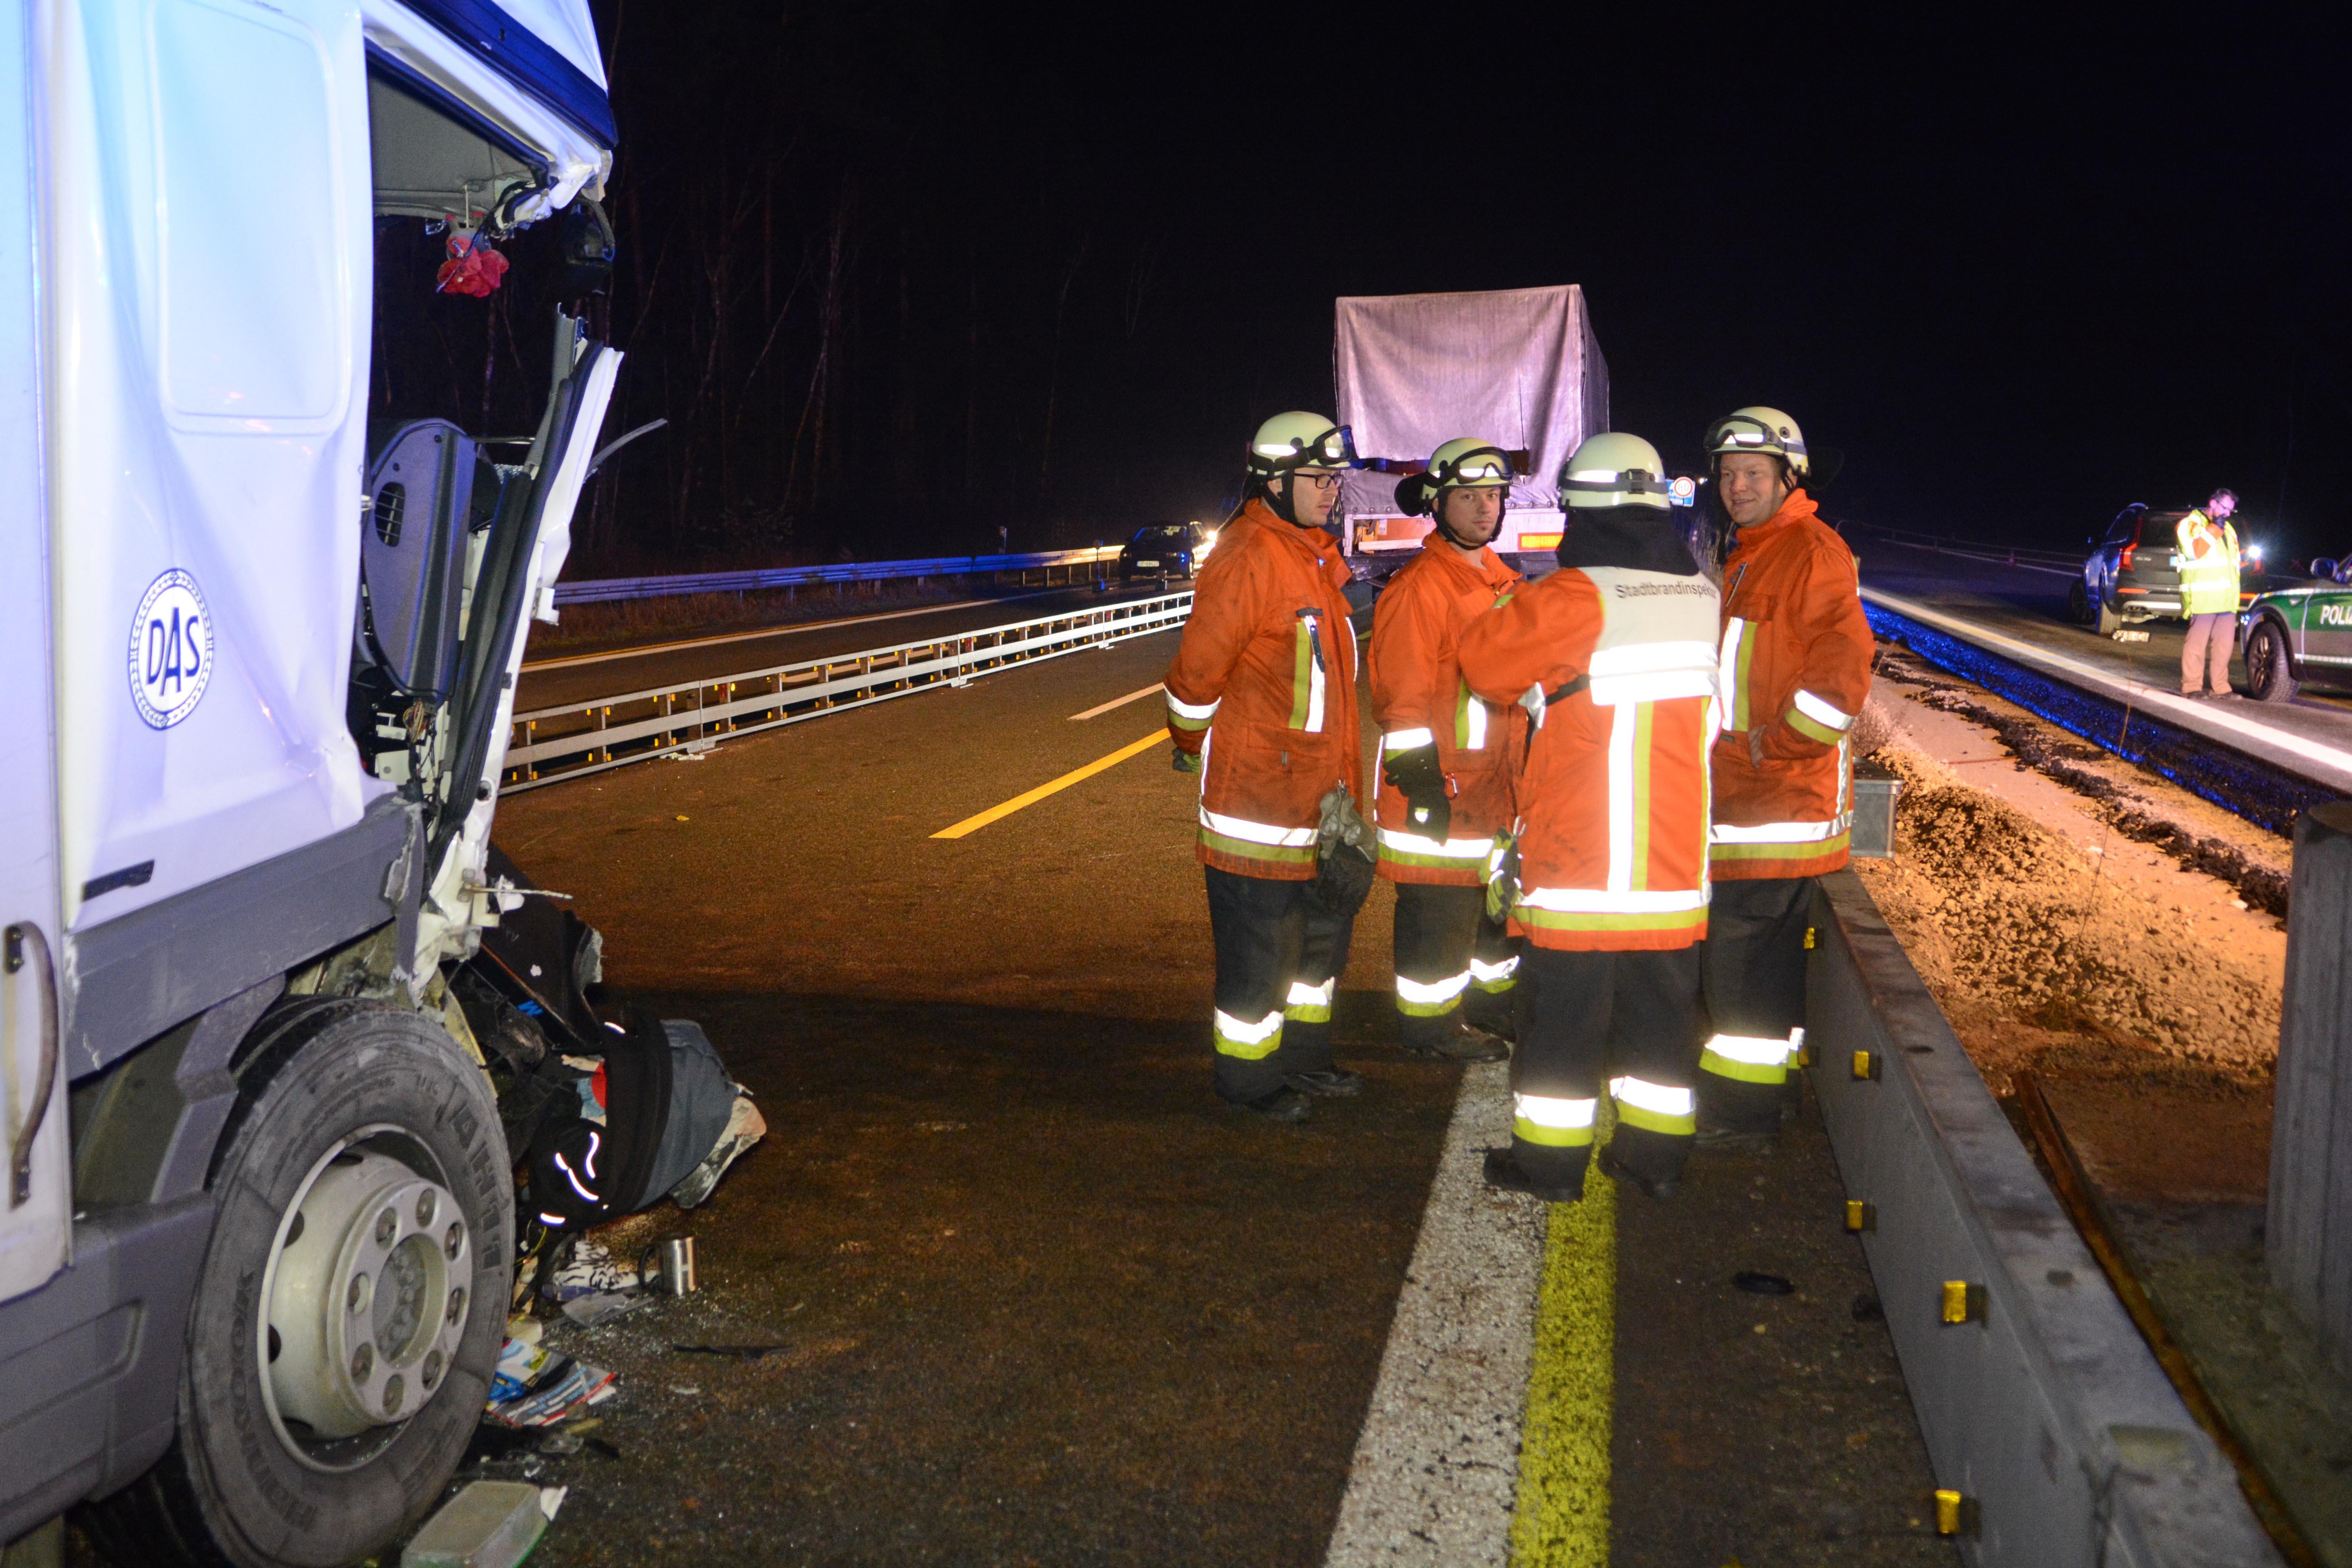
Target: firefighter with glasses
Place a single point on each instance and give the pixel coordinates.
(1613, 659)
(1448, 762)
(1262, 704)
(1796, 669)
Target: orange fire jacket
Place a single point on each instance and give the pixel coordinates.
(1418, 698)
(1612, 802)
(1264, 688)
(1797, 654)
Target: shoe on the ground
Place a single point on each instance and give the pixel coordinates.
(1722, 1140)
(1503, 1170)
(1277, 1105)
(1464, 1043)
(1327, 1083)
(588, 1270)
(1660, 1187)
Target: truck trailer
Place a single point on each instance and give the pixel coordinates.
(258, 1250)
(1519, 367)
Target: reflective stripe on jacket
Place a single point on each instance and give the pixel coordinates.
(1264, 688)
(2208, 565)
(1418, 698)
(1796, 662)
(1613, 800)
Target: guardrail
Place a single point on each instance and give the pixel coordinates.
(1044, 563)
(1976, 549)
(2057, 1440)
(581, 738)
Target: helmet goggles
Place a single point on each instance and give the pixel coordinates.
(1335, 448)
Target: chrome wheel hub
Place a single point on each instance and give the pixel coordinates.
(367, 1301)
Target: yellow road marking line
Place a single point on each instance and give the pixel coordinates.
(1562, 1516)
(1118, 701)
(974, 824)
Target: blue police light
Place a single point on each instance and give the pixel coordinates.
(1683, 490)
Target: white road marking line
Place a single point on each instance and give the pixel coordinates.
(1120, 701)
(2189, 714)
(780, 631)
(1435, 1472)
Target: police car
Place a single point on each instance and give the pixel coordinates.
(2298, 635)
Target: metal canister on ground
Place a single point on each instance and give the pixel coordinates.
(668, 1266)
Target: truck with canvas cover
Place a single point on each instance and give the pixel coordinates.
(1519, 367)
(261, 1224)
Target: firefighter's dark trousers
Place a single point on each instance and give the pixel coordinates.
(1278, 966)
(1755, 983)
(1629, 1020)
(1450, 958)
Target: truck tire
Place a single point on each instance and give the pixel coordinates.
(2270, 676)
(363, 1130)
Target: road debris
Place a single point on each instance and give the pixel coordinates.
(537, 1386)
(489, 1524)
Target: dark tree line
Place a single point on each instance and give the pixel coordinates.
(887, 302)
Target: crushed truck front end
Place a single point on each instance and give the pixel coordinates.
(265, 652)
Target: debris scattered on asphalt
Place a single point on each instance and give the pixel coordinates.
(587, 1269)
(489, 1524)
(733, 1352)
(592, 1312)
(536, 1386)
(2119, 637)
(1757, 1284)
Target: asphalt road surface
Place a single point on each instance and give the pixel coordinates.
(1024, 1291)
(561, 681)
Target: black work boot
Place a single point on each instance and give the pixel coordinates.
(1284, 1104)
(1325, 1083)
(1565, 1185)
(1736, 1116)
(1650, 1160)
(1451, 1038)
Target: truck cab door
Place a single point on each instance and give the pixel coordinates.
(35, 1196)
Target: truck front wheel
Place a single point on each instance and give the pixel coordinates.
(352, 1302)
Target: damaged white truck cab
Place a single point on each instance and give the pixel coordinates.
(258, 1231)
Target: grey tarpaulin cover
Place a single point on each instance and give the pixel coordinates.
(1519, 367)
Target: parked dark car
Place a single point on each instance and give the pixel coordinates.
(2131, 575)
(1165, 550)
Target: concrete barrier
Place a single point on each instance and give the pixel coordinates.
(2057, 1438)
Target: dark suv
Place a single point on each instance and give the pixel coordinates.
(1165, 550)
(2131, 575)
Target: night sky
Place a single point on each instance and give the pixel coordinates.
(902, 275)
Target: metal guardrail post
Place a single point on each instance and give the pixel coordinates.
(2308, 1233)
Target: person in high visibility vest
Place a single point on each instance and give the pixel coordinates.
(1262, 705)
(1447, 762)
(1797, 654)
(2208, 595)
(1613, 659)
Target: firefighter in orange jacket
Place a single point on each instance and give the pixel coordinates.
(1796, 669)
(1613, 656)
(1262, 704)
(1447, 762)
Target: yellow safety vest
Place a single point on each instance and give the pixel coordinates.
(2208, 565)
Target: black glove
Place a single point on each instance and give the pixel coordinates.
(1415, 774)
(1185, 762)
